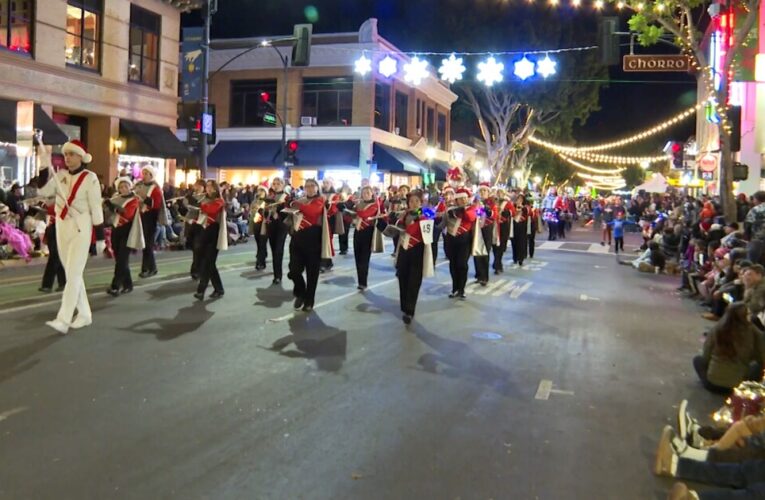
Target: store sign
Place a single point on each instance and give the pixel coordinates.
(192, 64)
(707, 163)
(707, 176)
(655, 63)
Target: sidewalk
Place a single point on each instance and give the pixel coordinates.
(588, 235)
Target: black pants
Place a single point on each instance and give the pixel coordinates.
(618, 243)
(53, 268)
(499, 250)
(149, 222)
(261, 242)
(122, 278)
(208, 257)
(747, 478)
(482, 263)
(277, 235)
(362, 252)
(520, 243)
(343, 238)
(532, 243)
(192, 240)
(562, 228)
(305, 255)
(409, 273)
(552, 227)
(434, 245)
(459, 256)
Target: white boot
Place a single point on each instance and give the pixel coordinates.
(58, 325)
(81, 321)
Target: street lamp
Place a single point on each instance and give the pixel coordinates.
(537, 179)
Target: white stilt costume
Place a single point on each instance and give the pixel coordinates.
(78, 212)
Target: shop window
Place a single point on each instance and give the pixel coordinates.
(402, 111)
(247, 105)
(442, 131)
(418, 118)
(145, 30)
(83, 25)
(329, 100)
(16, 25)
(431, 123)
(382, 106)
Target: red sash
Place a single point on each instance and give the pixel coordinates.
(72, 194)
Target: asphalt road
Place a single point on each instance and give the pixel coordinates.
(551, 383)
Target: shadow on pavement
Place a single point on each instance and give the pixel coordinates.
(313, 339)
(272, 297)
(456, 359)
(340, 281)
(16, 360)
(171, 290)
(186, 320)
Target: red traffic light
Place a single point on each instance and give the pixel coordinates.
(676, 147)
(292, 146)
(265, 96)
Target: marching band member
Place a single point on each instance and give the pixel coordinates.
(521, 227)
(457, 242)
(309, 245)
(214, 237)
(346, 196)
(153, 212)
(414, 258)
(54, 270)
(487, 209)
(505, 213)
(396, 205)
(259, 227)
(127, 234)
(446, 201)
(78, 215)
(366, 236)
(334, 216)
(276, 225)
(533, 227)
(194, 229)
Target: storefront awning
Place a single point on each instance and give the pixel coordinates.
(390, 159)
(268, 154)
(154, 141)
(52, 134)
(440, 168)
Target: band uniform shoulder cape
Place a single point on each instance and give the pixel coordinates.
(143, 191)
(135, 237)
(426, 232)
(297, 219)
(377, 236)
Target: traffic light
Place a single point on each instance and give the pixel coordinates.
(292, 149)
(301, 46)
(677, 151)
(608, 40)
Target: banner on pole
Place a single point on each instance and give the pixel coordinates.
(192, 64)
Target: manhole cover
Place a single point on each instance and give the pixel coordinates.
(487, 336)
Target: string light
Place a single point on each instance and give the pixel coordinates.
(588, 168)
(490, 71)
(363, 65)
(622, 142)
(546, 67)
(388, 67)
(416, 70)
(523, 68)
(451, 69)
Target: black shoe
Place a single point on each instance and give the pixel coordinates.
(194, 277)
(344, 252)
(143, 274)
(113, 292)
(461, 296)
(407, 319)
(298, 303)
(361, 287)
(60, 288)
(149, 274)
(496, 271)
(199, 296)
(307, 308)
(45, 289)
(483, 283)
(454, 295)
(217, 294)
(276, 281)
(127, 289)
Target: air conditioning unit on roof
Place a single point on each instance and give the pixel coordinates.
(308, 121)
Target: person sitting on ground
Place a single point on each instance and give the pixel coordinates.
(733, 351)
(649, 261)
(730, 289)
(733, 462)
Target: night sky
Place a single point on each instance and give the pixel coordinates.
(629, 102)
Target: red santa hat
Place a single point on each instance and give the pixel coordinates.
(484, 185)
(78, 148)
(151, 170)
(120, 180)
(463, 193)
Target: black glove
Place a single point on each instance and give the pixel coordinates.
(506, 214)
(148, 202)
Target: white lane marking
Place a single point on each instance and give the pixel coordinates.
(551, 245)
(9, 413)
(585, 298)
(339, 298)
(509, 285)
(485, 290)
(517, 291)
(543, 391)
(561, 392)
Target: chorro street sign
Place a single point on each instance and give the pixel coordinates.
(655, 63)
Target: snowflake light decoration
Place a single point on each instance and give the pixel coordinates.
(388, 67)
(416, 70)
(524, 68)
(490, 71)
(363, 65)
(451, 69)
(546, 67)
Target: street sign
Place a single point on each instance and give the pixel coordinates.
(656, 63)
(269, 118)
(707, 163)
(207, 123)
(707, 176)
(192, 64)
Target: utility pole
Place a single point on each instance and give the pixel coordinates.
(211, 7)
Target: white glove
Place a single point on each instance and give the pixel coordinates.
(43, 157)
(100, 247)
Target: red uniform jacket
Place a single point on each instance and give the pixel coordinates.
(212, 209)
(366, 214)
(129, 210)
(412, 229)
(312, 210)
(468, 220)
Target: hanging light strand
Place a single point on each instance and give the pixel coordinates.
(601, 171)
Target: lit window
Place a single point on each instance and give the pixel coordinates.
(82, 33)
(145, 30)
(16, 25)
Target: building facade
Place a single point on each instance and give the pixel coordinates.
(347, 126)
(102, 71)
